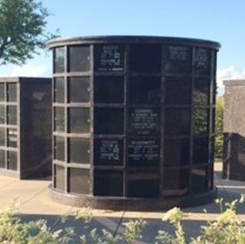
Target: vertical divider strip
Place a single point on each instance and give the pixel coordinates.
(5, 123)
(91, 78)
(125, 152)
(19, 124)
(162, 123)
(53, 118)
(192, 119)
(66, 118)
(211, 120)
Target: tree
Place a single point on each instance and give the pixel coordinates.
(219, 127)
(22, 30)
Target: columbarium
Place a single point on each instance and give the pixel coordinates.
(25, 126)
(133, 124)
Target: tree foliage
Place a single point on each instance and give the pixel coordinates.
(22, 30)
(219, 127)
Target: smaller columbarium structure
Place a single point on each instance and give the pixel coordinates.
(25, 126)
(234, 130)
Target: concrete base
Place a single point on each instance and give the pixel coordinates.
(25, 175)
(130, 204)
(10, 173)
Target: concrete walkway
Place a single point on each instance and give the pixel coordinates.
(32, 196)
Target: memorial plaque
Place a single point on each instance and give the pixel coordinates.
(144, 153)
(12, 137)
(59, 176)
(214, 62)
(201, 152)
(79, 150)
(108, 121)
(177, 59)
(12, 160)
(109, 58)
(199, 179)
(11, 92)
(177, 91)
(143, 183)
(59, 147)
(79, 58)
(144, 121)
(145, 90)
(59, 90)
(2, 136)
(108, 183)
(176, 151)
(79, 180)
(177, 121)
(2, 114)
(2, 92)
(201, 123)
(79, 120)
(201, 92)
(109, 89)
(78, 89)
(59, 119)
(145, 58)
(59, 60)
(12, 115)
(108, 152)
(202, 61)
(176, 182)
(2, 159)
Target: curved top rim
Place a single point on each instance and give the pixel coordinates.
(132, 39)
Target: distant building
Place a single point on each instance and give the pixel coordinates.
(234, 130)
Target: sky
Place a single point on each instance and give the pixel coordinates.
(217, 20)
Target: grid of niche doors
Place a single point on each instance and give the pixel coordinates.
(9, 125)
(71, 123)
(189, 124)
(185, 124)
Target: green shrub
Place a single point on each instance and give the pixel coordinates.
(226, 229)
(13, 231)
(219, 127)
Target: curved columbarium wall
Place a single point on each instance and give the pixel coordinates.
(133, 124)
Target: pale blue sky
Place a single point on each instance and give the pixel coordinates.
(218, 20)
